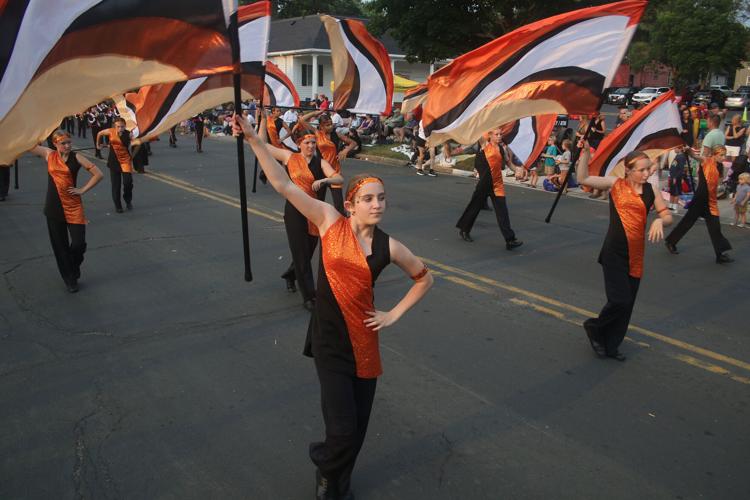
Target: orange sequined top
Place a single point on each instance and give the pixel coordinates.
(120, 151)
(329, 151)
(303, 175)
(711, 177)
(495, 162)
(63, 179)
(626, 239)
(273, 132)
(338, 337)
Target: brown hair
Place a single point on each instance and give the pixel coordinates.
(718, 149)
(324, 118)
(632, 158)
(120, 120)
(354, 183)
(715, 120)
(300, 131)
(59, 135)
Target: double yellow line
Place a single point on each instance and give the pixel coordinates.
(690, 354)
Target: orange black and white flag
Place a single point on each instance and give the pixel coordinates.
(362, 73)
(414, 98)
(280, 91)
(155, 108)
(528, 136)
(559, 65)
(56, 60)
(653, 129)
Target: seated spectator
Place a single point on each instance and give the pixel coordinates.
(407, 130)
(290, 117)
(395, 120)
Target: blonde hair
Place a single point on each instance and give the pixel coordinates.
(744, 176)
(718, 149)
(632, 158)
(59, 135)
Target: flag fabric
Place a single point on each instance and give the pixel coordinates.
(528, 136)
(414, 98)
(559, 65)
(654, 129)
(279, 91)
(59, 57)
(362, 73)
(154, 109)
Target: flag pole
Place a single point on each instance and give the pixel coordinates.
(237, 80)
(260, 104)
(15, 174)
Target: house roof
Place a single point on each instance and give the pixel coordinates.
(307, 32)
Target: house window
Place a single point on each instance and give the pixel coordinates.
(307, 75)
(747, 80)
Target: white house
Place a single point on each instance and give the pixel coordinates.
(299, 46)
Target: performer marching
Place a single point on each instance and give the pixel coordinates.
(704, 205)
(63, 208)
(311, 175)
(489, 162)
(621, 257)
(120, 163)
(343, 333)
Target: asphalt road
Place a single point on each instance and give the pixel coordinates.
(168, 376)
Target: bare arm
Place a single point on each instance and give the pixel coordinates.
(412, 267)
(318, 212)
(656, 231)
(279, 154)
(332, 177)
(99, 136)
(350, 145)
(40, 151)
(592, 181)
(96, 175)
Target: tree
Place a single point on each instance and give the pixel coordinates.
(295, 8)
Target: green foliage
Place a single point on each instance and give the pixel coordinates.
(295, 8)
(639, 55)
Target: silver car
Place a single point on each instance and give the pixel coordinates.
(648, 94)
(738, 100)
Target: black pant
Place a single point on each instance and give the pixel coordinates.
(612, 324)
(346, 401)
(173, 137)
(68, 252)
(466, 222)
(125, 180)
(199, 139)
(4, 180)
(719, 242)
(82, 128)
(302, 246)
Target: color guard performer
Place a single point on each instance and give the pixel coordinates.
(621, 257)
(343, 333)
(120, 163)
(704, 205)
(489, 163)
(63, 208)
(311, 174)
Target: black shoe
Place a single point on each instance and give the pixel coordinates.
(724, 259)
(486, 207)
(72, 286)
(617, 355)
(323, 488)
(129, 206)
(595, 344)
(2, 198)
(510, 245)
(671, 248)
(77, 274)
(119, 210)
(290, 285)
(309, 305)
(465, 235)
(431, 173)
(420, 171)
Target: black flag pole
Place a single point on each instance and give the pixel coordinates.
(15, 174)
(258, 120)
(237, 80)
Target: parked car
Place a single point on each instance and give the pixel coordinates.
(738, 100)
(648, 94)
(621, 95)
(724, 89)
(743, 89)
(709, 97)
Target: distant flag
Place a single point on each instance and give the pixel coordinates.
(559, 65)
(58, 58)
(414, 98)
(654, 129)
(528, 136)
(362, 74)
(279, 90)
(154, 109)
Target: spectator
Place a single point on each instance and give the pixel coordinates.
(407, 130)
(676, 177)
(741, 199)
(324, 104)
(550, 155)
(734, 136)
(563, 161)
(290, 117)
(714, 137)
(395, 120)
(623, 114)
(598, 129)
(687, 126)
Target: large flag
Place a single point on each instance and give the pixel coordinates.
(414, 98)
(528, 136)
(155, 108)
(653, 130)
(559, 65)
(362, 73)
(59, 57)
(280, 90)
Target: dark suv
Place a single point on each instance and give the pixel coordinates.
(709, 97)
(621, 95)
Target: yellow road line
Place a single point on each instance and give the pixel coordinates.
(460, 279)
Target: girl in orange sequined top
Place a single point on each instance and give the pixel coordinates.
(343, 334)
(333, 148)
(621, 257)
(704, 205)
(311, 174)
(66, 222)
(119, 162)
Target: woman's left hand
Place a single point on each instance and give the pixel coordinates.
(318, 184)
(656, 232)
(76, 191)
(379, 319)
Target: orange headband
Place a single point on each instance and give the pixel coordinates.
(305, 137)
(358, 186)
(61, 137)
